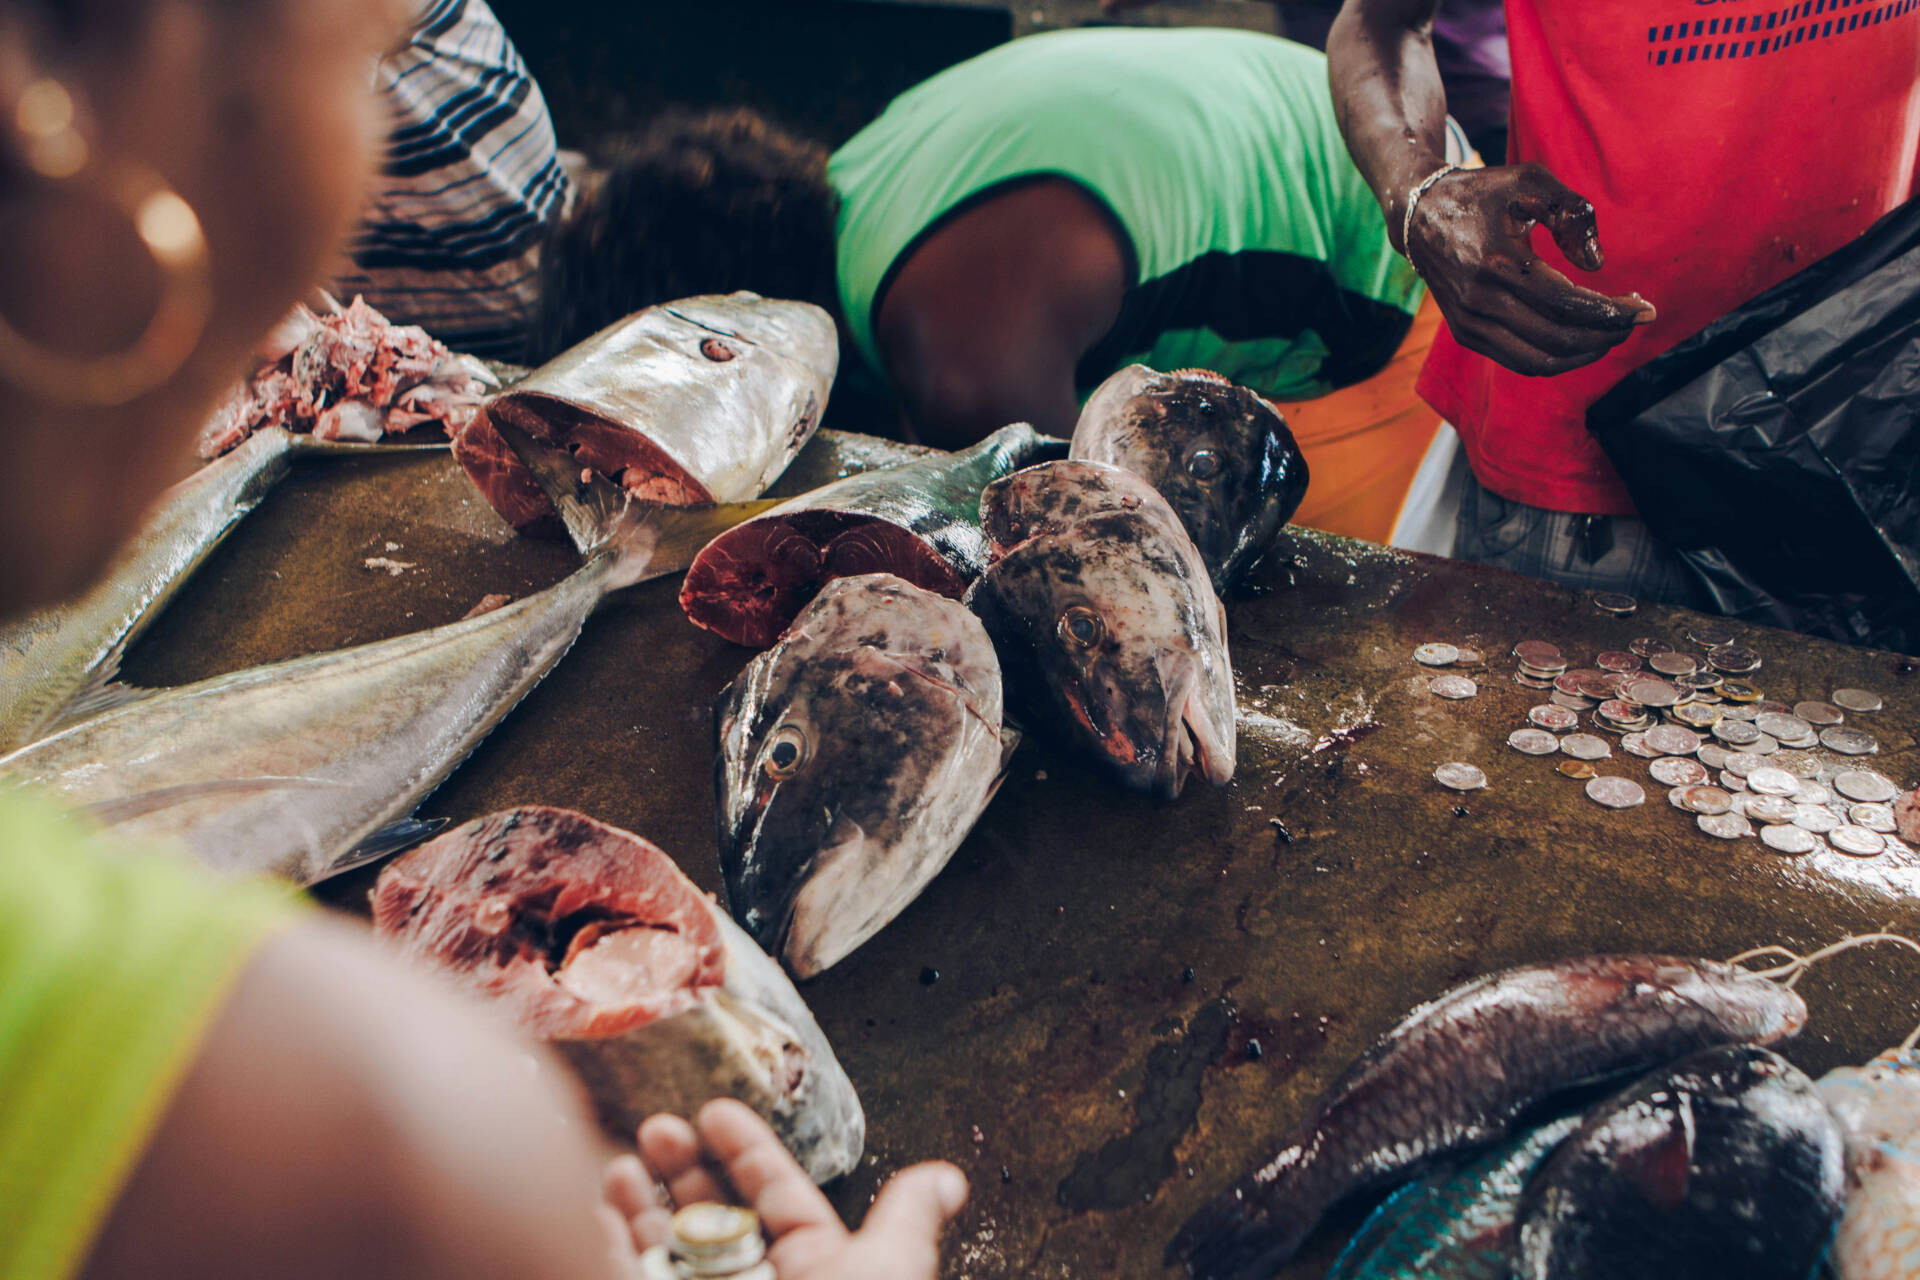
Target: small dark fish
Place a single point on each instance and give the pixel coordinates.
(919, 521)
(852, 759)
(1220, 455)
(1462, 1071)
(1456, 1225)
(1724, 1164)
(1109, 632)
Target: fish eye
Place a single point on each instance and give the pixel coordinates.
(1203, 464)
(1081, 626)
(786, 752)
(716, 351)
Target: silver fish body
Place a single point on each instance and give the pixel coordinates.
(852, 759)
(1109, 631)
(1220, 455)
(56, 656)
(1878, 1108)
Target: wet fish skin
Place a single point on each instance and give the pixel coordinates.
(1878, 1109)
(1461, 1070)
(1220, 454)
(1726, 1163)
(1109, 632)
(889, 697)
(1454, 1225)
(53, 659)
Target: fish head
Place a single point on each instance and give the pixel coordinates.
(1110, 625)
(1757, 1009)
(1221, 455)
(851, 760)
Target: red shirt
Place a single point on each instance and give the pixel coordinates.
(1724, 146)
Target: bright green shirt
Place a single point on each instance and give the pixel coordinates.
(112, 964)
(1258, 251)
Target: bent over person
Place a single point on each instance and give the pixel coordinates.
(1019, 226)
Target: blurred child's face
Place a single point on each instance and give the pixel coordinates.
(261, 113)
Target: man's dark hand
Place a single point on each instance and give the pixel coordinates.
(1469, 241)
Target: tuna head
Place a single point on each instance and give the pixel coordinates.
(1220, 455)
(851, 760)
(1107, 628)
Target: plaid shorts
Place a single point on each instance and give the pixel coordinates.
(1588, 553)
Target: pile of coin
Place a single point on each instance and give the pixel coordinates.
(1740, 763)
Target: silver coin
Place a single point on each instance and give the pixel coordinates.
(1713, 755)
(1620, 711)
(1697, 715)
(1557, 719)
(1742, 764)
(1877, 818)
(1732, 781)
(1772, 782)
(1647, 646)
(1737, 711)
(1857, 699)
(1816, 818)
(1533, 742)
(1635, 744)
(1584, 746)
(1789, 839)
(1733, 660)
(1727, 826)
(1858, 841)
(1773, 809)
(1615, 603)
(1736, 733)
(1864, 785)
(1601, 685)
(1650, 691)
(1782, 727)
(1798, 763)
(1701, 799)
(1617, 660)
(1455, 687)
(1526, 681)
(1811, 792)
(1459, 776)
(1708, 635)
(1572, 701)
(1615, 793)
(1764, 745)
(1538, 653)
(1674, 664)
(1673, 740)
(1850, 742)
(1819, 713)
(1678, 771)
(1436, 655)
(1701, 680)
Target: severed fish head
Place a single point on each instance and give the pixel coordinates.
(852, 758)
(1220, 455)
(1107, 626)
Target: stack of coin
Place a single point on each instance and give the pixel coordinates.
(1540, 664)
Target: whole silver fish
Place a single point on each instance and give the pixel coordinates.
(51, 661)
(1108, 629)
(288, 768)
(1220, 455)
(1878, 1107)
(853, 758)
(1461, 1071)
(591, 939)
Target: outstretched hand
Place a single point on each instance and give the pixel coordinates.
(1469, 241)
(734, 1158)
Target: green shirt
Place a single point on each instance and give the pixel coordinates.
(112, 964)
(1257, 250)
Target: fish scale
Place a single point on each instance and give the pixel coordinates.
(1428, 1088)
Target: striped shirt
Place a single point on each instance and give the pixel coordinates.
(451, 237)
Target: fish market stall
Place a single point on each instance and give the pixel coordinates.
(1108, 1008)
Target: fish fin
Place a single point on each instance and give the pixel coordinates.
(140, 803)
(389, 839)
(1659, 1166)
(101, 694)
(588, 507)
(1010, 739)
(653, 541)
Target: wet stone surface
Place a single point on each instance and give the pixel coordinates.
(1105, 962)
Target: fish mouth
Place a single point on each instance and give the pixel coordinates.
(1194, 743)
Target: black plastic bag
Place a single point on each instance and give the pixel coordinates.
(1776, 449)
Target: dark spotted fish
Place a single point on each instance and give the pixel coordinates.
(1220, 455)
(919, 521)
(853, 758)
(1724, 1164)
(1462, 1071)
(1108, 630)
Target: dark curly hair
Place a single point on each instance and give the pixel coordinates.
(698, 203)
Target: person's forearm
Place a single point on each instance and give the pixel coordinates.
(1387, 94)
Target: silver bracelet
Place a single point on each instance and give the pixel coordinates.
(1413, 202)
